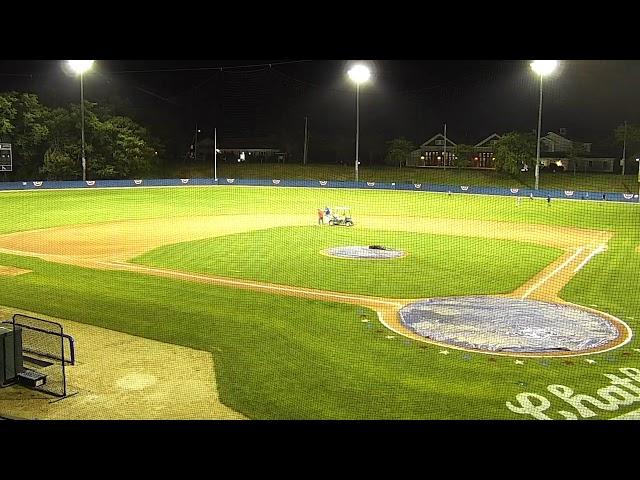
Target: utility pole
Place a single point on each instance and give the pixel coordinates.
(444, 154)
(624, 149)
(306, 139)
(195, 146)
(215, 154)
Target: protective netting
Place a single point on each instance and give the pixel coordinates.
(44, 350)
(508, 324)
(366, 252)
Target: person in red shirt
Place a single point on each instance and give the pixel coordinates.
(320, 217)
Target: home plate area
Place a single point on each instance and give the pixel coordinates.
(502, 324)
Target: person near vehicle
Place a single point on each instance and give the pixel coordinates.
(320, 217)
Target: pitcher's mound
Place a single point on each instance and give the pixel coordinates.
(366, 252)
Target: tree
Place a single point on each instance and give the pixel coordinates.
(513, 151)
(7, 114)
(58, 164)
(124, 149)
(23, 123)
(462, 155)
(576, 151)
(46, 141)
(399, 151)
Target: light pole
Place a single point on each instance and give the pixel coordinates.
(542, 68)
(638, 160)
(215, 153)
(80, 67)
(359, 74)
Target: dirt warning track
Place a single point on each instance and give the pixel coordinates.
(110, 245)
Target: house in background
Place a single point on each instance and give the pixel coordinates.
(237, 150)
(556, 154)
(484, 155)
(432, 153)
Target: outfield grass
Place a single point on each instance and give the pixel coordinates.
(599, 182)
(40, 209)
(290, 255)
(280, 357)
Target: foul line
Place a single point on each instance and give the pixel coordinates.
(323, 294)
(600, 249)
(564, 264)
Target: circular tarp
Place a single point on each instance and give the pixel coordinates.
(498, 324)
(364, 252)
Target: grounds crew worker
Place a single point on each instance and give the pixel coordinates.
(320, 216)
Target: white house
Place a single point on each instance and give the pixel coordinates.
(556, 152)
(432, 153)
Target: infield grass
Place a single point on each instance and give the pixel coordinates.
(435, 265)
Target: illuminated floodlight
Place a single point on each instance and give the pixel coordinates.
(359, 73)
(80, 66)
(544, 67)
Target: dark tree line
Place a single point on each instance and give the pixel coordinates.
(46, 141)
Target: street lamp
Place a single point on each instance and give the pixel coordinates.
(359, 74)
(542, 68)
(80, 67)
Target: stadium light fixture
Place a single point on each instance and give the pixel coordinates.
(80, 67)
(542, 68)
(358, 74)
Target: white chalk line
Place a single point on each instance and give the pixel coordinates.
(564, 264)
(323, 294)
(600, 249)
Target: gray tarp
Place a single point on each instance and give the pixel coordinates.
(507, 324)
(363, 252)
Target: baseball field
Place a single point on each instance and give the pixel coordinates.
(220, 303)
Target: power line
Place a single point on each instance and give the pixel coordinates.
(220, 68)
(16, 75)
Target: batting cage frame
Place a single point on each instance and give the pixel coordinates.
(41, 352)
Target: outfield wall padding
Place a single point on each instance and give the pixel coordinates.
(278, 183)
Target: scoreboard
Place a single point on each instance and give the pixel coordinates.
(6, 160)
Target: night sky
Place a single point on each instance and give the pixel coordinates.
(260, 104)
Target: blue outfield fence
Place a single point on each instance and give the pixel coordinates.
(418, 187)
